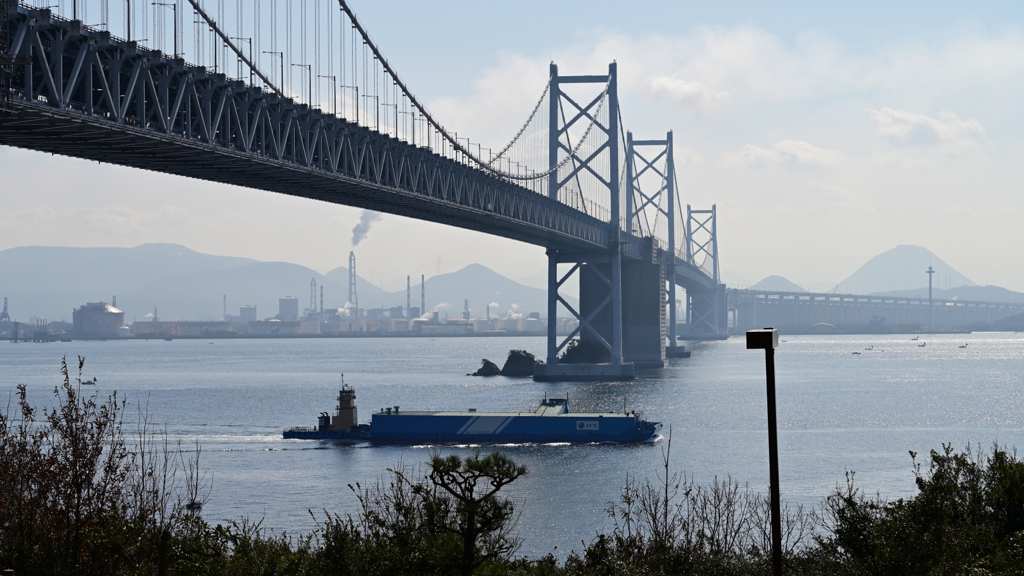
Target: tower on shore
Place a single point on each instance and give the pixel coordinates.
(353, 298)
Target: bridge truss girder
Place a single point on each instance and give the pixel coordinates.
(108, 100)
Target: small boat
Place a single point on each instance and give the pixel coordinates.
(915, 338)
(90, 382)
(922, 344)
(857, 353)
(964, 345)
(870, 348)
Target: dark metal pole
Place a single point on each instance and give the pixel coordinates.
(768, 340)
(773, 462)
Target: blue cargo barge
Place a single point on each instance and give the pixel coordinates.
(551, 422)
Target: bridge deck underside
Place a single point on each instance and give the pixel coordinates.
(73, 135)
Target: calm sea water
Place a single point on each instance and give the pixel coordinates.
(837, 411)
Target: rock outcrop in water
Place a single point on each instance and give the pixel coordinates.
(488, 369)
(519, 363)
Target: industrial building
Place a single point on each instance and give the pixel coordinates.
(97, 320)
(288, 309)
(181, 328)
(246, 314)
(284, 327)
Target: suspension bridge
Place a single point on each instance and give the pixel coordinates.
(296, 98)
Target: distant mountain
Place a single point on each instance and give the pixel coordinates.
(778, 284)
(978, 293)
(902, 268)
(482, 287)
(735, 280)
(186, 285)
(370, 295)
(538, 280)
(200, 296)
(49, 282)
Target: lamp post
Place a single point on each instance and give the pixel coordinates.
(395, 106)
(281, 54)
(334, 94)
(356, 88)
(309, 70)
(249, 40)
(174, 9)
(768, 340)
(376, 115)
(412, 115)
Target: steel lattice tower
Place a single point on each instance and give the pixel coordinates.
(353, 297)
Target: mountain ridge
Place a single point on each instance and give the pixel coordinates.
(50, 282)
(901, 268)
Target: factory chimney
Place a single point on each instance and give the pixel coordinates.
(465, 311)
(311, 311)
(321, 299)
(408, 296)
(423, 294)
(113, 301)
(225, 306)
(353, 298)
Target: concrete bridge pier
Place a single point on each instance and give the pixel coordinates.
(643, 312)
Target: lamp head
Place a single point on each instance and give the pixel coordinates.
(766, 339)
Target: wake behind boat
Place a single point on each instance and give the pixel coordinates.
(550, 422)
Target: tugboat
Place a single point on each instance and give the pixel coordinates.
(550, 422)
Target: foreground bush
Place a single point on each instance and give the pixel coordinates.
(968, 517)
(77, 498)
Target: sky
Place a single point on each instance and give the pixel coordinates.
(825, 133)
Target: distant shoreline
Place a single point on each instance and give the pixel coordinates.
(224, 336)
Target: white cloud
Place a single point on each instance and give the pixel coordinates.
(688, 94)
(910, 128)
(790, 152)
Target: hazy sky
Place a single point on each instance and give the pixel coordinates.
(825, 133)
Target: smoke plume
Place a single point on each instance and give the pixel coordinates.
(366, 220)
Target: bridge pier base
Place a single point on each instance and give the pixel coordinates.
(643, 311)
(600, 332)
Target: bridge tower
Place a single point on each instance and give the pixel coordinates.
(599, 271)
(706, 310)
(658, 166)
